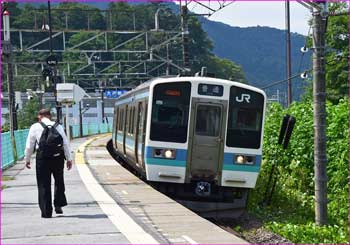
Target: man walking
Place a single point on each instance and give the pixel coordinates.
(52, 147)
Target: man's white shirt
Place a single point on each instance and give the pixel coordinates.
(35, 133)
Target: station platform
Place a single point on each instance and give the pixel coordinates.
(106, 205)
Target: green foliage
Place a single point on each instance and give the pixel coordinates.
(120, 16)
(292, 206)
(309, 233)
(28, 115)
(337, 43)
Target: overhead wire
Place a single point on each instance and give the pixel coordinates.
(337, 59)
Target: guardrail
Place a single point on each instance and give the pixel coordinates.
(8, 156)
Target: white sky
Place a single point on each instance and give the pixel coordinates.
(262, 13)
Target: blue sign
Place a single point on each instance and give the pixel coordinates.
(114, 93)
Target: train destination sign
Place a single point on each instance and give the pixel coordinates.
(210, 89)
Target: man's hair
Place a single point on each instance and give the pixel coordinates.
(44, 113)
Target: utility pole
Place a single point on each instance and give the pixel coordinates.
(103, 105)
(7, 51)
(80, 119)
(101, 87)
(348, 127)
(288, 56)
(184, 30)
(319, 96)
(54, 74)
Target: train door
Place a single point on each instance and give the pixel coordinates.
(126, 128)
(138, 138)
(206, 140)
(115, 126)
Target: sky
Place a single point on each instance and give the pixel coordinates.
(262, 13)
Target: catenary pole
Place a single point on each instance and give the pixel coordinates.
(348, 230)
(288, 53)
(7, 50)
(185, 38)
(54, 76)
(319, 96)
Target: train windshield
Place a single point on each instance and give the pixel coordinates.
(245, 118)
(170, 109)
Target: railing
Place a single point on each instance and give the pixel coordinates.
(8, 156)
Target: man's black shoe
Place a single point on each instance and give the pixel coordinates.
(46, 216)
(58, 210)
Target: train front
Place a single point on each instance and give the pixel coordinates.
(205, 141)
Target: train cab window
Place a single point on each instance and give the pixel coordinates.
(208, 120)
(170, 109)
(244, 118)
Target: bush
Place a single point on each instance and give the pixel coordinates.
(293, 199)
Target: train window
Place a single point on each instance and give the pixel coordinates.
(116, 118)
(245, 118)
(139, 120)
(208, 120)
(132, 120)
(170, 109)
(210, 89)
(145, 119)
(121, 120)
(127, 118)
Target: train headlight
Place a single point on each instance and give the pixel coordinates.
(242, 159)
(164, 153)
(168, 154)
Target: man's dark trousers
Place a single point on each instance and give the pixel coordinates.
(44, 168)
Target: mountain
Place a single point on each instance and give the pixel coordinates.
(261, 51)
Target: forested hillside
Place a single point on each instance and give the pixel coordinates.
(200, 46)
(260, 50)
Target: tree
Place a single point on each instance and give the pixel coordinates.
(27, 116)
(337, 51)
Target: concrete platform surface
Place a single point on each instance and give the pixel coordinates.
(106, 205)
(162, 217)
(83, 221)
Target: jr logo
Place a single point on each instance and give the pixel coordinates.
(245, 97)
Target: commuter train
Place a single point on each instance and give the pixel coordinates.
(197, 139)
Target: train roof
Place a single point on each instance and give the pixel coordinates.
(190, 78)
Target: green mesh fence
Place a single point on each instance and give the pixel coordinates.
(7, 148)
(7, 154)
(20, 139)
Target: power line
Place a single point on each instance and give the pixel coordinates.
(306, 71)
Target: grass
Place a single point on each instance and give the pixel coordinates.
(293, 220)
(7, 178)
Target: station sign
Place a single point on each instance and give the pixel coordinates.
(109, 93)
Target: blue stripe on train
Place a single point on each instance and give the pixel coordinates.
(231, 166)
(179, 161)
